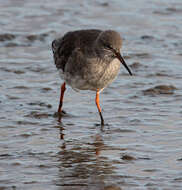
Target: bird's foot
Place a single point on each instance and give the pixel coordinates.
(60, 114)
(102, 125)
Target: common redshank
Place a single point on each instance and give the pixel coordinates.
(88, 60)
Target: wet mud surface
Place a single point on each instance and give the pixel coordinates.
(140, 145)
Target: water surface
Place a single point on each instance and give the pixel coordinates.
(139, 148)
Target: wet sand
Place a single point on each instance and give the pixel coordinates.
(139, 148)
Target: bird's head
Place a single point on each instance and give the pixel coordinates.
(110, 43)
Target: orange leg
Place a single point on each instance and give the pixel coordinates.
(63, 88)
(98, 107)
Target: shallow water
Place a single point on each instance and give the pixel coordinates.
(139, 148)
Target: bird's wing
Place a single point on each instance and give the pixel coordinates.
(63, 47)
(86, 67)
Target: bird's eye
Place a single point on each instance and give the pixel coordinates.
(108, 46)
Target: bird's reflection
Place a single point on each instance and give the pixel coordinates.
(80, 163)
(61, 132)
(98, 142)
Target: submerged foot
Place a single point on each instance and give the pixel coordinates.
(59, 114)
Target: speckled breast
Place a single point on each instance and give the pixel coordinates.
(97, 76)
(110, 74)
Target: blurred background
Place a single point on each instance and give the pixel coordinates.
(139, 148)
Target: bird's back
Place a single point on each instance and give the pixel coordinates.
(63, 47)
